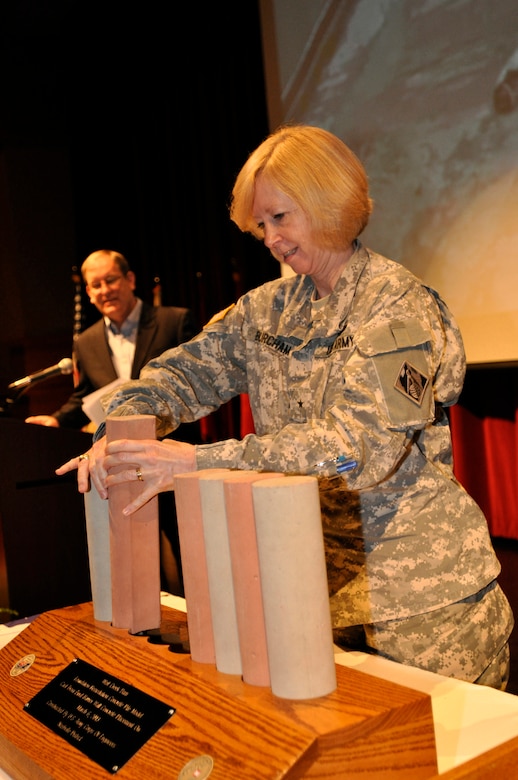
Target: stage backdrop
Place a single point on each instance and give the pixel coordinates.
(426, 93)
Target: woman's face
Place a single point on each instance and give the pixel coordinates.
(286, 229)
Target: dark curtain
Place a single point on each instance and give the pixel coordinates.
(152, 108)
(157, 140)
(166, 103)
(484, 428)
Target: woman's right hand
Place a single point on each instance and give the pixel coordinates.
(89, 466)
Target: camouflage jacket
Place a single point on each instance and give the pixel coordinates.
(364, 375)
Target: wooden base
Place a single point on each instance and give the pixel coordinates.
(367, 727)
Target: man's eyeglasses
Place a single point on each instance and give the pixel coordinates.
(110, 281)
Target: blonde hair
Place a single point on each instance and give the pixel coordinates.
(318, 172)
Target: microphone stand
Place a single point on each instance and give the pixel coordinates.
(18, 388)
(9, 399)
(5, 403)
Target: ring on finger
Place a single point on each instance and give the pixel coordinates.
(139, 475)
(84, 456)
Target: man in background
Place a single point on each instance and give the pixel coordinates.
(129, 334)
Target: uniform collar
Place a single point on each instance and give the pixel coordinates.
(331, 316)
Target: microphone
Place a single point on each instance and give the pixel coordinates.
(65, 366)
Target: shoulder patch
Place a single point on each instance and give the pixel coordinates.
(220, 315)
(411, 382)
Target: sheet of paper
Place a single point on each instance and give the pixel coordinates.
(92, 403)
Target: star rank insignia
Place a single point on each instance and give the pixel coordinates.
(411, 382)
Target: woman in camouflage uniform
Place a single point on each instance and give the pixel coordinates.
(349, 365)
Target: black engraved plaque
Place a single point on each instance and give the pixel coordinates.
(102, 716)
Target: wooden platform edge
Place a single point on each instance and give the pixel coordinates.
(368, 725)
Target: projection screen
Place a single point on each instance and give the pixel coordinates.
(426, 93)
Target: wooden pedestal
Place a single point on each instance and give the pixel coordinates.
(367, 728)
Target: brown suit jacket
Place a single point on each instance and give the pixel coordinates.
(160, 328)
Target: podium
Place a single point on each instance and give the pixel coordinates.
(42, 520)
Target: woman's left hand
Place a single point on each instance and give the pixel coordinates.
(152, 463)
